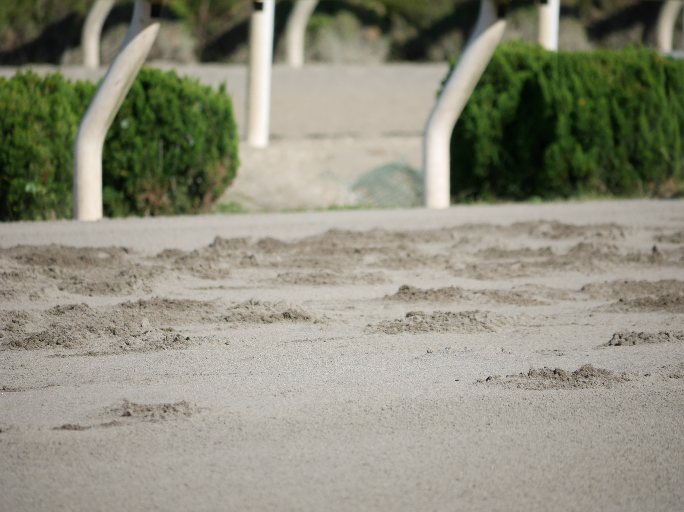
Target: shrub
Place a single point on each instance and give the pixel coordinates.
(37, 131)
(557, 125)
(172, 148)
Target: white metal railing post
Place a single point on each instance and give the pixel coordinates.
(260, 68)
(295, 31)
(549, 19)
(104, 107)
(92, 32)
(667, 18)
(478, 52)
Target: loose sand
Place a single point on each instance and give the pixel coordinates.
(512, 357)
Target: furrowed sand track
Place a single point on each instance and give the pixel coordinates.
(480, 358)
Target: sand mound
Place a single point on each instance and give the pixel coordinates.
(586, 376)
(261, 312)
(335, 257)
(585, 257)
(82, 271)
(411, 294)
(111, 282)
(670, 303)
(205, 263)
(550, 230)
(672, 238)
(63, 256)
(333, 251)
(407, 293)
(160, 309)
(152, 412)
(58, 336)
(497, 253)
(559, 231)
(328, 278)
(72, 427)
(442, 321)
(144, 325)
(632, 289)
(628, 338)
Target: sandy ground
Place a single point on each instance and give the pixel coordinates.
(510, 357)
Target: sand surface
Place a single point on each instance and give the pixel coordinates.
(510, 357)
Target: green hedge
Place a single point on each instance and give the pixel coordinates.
(558, 125)
(172, 149)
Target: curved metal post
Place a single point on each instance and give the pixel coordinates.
(260, 67)
(549, 18)
(103, 109)
(92, 32)
(295, 31)
(460, 85)
(666, 24)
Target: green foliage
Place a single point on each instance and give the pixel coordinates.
(22, 21)
(37, 131)
(172, 148)
(558, 125)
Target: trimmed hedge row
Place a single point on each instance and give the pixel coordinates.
(558, 125)
(172, 148)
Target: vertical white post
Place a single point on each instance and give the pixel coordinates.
(104, 107)
(92, 32)
(666, 24)
(260, 67)
(460, 85)
(295, 31)
(549, 18)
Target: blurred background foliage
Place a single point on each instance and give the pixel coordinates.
(571, 124)
(172, 148)
(354, 31)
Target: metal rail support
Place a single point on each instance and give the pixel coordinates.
(460, 85)
(295, 31)
(104, 107)
(549, 19)
(92, 32)
(666, 24)
(260, 70)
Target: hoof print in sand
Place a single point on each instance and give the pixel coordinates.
(73, 428)
(673, 371)
(130, 411)
(442, 321)
(261, 312)
(585, 377)
(673, 238)
(629, 338)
